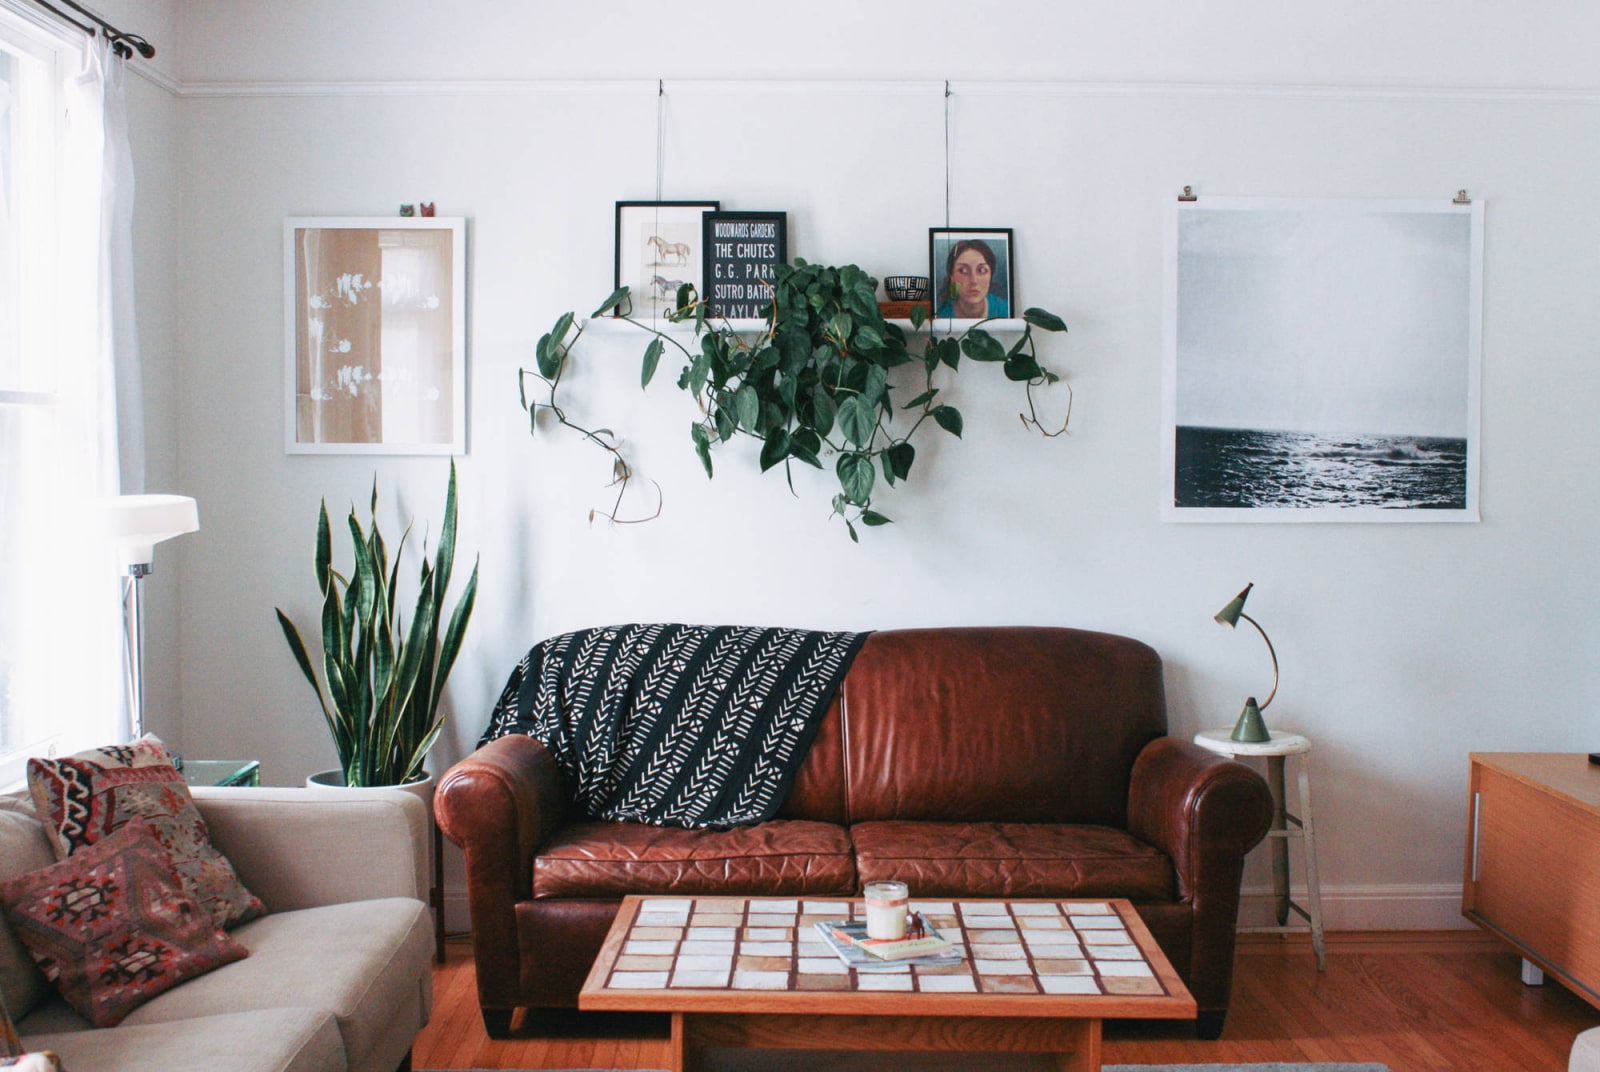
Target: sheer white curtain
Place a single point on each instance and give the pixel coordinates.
(60, 603)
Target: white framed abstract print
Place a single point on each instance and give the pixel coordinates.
(1322, 360)
(375, 335)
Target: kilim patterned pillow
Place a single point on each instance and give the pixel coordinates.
(111, 927)
(82, 798)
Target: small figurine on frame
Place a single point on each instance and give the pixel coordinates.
(972, 272)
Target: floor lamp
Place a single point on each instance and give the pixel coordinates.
(136, 523)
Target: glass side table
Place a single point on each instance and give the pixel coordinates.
(221, 771)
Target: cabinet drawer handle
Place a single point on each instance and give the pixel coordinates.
(1477, 808)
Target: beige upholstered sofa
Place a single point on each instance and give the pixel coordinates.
(338, 978)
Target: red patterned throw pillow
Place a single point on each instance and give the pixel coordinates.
(111, 926)
(83, 798)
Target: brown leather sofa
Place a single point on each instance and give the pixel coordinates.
(986, 762)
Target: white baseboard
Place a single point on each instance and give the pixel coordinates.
(1370, 908)
(1344, 908)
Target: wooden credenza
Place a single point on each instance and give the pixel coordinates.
(1533, 860)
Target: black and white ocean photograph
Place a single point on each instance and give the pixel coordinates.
(1323, 360)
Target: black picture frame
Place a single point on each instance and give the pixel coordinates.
(658, 250)
(742, 251)
(945, 244)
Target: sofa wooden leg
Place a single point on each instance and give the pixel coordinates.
(1208, 1025)
(497, 1022)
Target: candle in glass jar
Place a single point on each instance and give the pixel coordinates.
(886, 909)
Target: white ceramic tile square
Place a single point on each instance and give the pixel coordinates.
(661, 919)
(884, 981)
(946, 984)
(988, 935)
(1035, 910)
(814, 947)
(1042, 923)
(638, 980)
(998, 950)
(767, 934)
(822, 966)
(1051, 940)
(820, 908)
(760, 980)
(768, 919)
(1096, 923)
(983, 908)
(665, 904)
(1105, 937)
(1092, 908)
(767, 949)
(712, 933)
(1116, 952)
(998, 967)
(695, 947)
(1122, 967)
(651, 948)
(706, 963)
(791, 907)
(1064, 966)
(1068, 984)
(700, 979)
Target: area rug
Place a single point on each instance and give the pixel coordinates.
(952, 1063)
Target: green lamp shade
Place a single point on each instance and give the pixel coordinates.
(1229, 615)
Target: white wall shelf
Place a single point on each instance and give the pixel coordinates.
(615, 325)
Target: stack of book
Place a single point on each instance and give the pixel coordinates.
(922, 945)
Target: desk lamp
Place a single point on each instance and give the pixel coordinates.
(1251, 727)
(136, 523)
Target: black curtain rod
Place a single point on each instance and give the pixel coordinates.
(123, 44)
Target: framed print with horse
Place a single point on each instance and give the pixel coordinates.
(658, 251)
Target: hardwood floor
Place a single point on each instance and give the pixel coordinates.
(1419, 1002)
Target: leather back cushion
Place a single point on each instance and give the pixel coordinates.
(1000, 724)
(818, 789)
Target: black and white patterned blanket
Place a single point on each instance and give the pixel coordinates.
(676, 725)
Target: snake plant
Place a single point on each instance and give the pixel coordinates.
(384, 677)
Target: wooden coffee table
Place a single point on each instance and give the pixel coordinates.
(1039, 977)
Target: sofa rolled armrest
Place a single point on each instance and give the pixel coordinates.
(305, 848)
(499, 805)
(1196, 806)
(1206, 812)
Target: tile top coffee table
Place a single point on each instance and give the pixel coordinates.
(1038, 976)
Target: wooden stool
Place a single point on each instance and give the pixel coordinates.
(1285, 825)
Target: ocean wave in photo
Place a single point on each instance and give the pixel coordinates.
(1239, 468)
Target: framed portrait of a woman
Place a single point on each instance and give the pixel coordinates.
(973, 272)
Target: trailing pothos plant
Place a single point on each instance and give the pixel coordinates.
(812, 383)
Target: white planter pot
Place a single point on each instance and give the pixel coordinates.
(421, 788)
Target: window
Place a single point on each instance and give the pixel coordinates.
(60, 635)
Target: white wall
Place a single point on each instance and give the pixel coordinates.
(1404, 646)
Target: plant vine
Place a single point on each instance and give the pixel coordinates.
(550, 359)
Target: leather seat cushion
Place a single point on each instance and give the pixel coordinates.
(784, 856)
(1013, 860)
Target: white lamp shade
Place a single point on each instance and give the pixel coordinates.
(136, 523)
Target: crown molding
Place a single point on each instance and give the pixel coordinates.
(519, 87)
